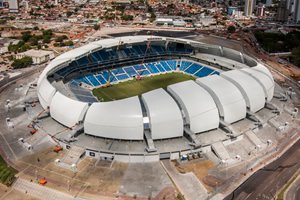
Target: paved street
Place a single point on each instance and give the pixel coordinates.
(293, 193)
(266, 182)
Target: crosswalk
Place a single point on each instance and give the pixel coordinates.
(39, 191)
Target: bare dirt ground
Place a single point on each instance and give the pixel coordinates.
(89, 180)
(201, 169)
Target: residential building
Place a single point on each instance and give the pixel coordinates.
(249, 7)
(38, 56)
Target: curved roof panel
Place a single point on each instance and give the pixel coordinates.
(264, 80)
(66, 110)
(199, 107)
(251, 90)
(45, 92)
(229, 100)
(120, 119)
(164, 114)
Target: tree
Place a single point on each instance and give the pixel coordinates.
(96, 27)
(34, 41)
(26, 36)
(2, 21)
(22, 63)
(231, 29)
(127, 17)
(69, 13)
(61, 38)
(68, 43)
(296, 56)
(46, 39)
(47, 32)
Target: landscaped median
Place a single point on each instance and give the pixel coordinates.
(7, 173)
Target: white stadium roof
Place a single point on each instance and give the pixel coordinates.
(46, 92)
(229, 100)
(66, 110)
(122, 119)
(198, 105)
(263, 79)
(164, 114)
(251, 90)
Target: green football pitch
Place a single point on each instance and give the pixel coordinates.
(137, 87)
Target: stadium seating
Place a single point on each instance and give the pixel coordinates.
(184, 65)
(92, 80)
(192, 69)
(165, 65)
(130, 71)
(139, 67)
(172, 64)
(118, 71)
(204, 72)
(83, 61)
(123, 73)
(101, 79)
(108, 56)
(160, 68)
(122, 77)
(152, 68)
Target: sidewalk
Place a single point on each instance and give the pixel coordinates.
(39, 191)
(188, 184)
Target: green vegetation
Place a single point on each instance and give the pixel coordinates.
(2, 21)
(127, 17)
(20, 47)
(61, 38)
(231, 29)
(96, 27)
(137, 87)
(69, 13)
(63, 44)
(28, 40)
(179, 196)
(7, 174)
(278, 42)
(296, 56)
(22, 63)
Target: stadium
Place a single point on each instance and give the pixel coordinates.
(145, 98)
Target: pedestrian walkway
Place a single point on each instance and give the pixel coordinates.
(39, 191)
(188, 184)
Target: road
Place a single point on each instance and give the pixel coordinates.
(293, 192)
(266, 182)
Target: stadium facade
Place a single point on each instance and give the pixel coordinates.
(230, 86)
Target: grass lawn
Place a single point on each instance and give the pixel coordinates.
(137, 87)
(7, 174)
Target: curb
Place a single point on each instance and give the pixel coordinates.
(292, 183)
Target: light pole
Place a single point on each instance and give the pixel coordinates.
(36, 176)
(150, 188)
(68, 185)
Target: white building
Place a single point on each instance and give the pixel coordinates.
(249, 6)
(38, 56)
